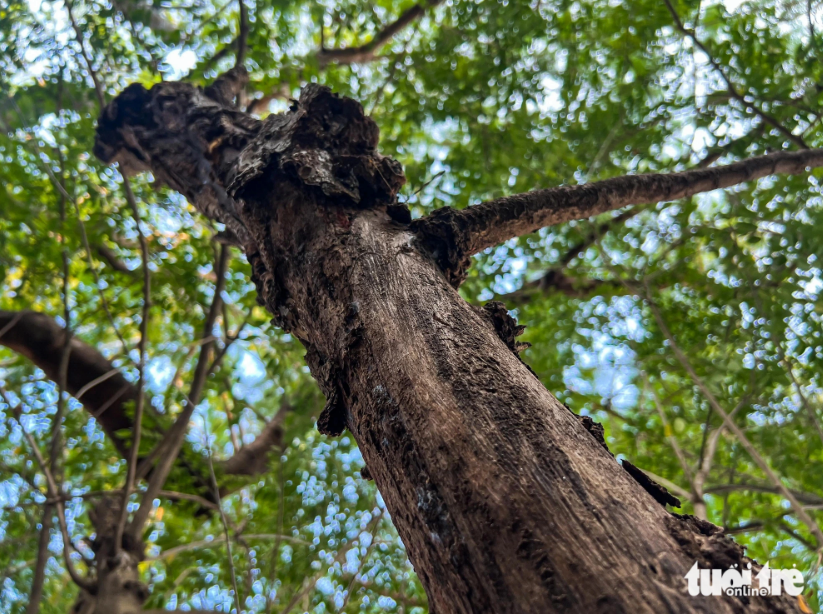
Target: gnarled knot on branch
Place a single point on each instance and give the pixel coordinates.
(198, 143)
(324, 140)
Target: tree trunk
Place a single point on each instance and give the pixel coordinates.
(504, 500)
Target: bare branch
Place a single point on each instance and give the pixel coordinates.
(366, 53)
(173, 440)
(454, 236)
(16, 410)
(141, 348)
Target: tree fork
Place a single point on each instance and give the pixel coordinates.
(503, 498)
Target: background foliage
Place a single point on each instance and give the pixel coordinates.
(478, 99)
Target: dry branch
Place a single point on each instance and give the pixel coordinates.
(453, 236)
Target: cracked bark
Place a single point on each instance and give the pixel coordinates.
(503, 499)
(453, 236)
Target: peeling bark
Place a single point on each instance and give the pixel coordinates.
(504, 500)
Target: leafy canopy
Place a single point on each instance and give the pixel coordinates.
(477, 99)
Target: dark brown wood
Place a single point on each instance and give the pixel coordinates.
(455, 235)
(503, 498)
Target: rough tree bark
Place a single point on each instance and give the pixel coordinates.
(505, 500)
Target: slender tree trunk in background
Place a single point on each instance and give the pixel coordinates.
(36, 593)
(504, 500)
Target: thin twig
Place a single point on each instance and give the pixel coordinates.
(98, 86)
(205, 543)
(141, 348)
(173, 441)
(96, 275)
(741, 98)
(216, 490)
(16, 410)
(367, 52)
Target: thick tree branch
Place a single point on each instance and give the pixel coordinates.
(366, 53)
(101, 387)
(454, 236)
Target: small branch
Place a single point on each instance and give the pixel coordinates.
(96, 275)
(555, 279)
(107, 254)
(242, 46)
(98, 87)
(801, 513)
(454, 236)
(174, 439)
(205, 543)
(735, 93)
(754, 525)
(715, 153)
(80, 581)
(201, 369)
(253, 458)
(678, 490)
(667, 430)
(806, 498)
(221, 54)
(366, 53)
(141, 386)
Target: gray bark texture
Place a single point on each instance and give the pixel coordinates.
(505, 500)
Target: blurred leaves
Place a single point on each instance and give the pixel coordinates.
(477, 99)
